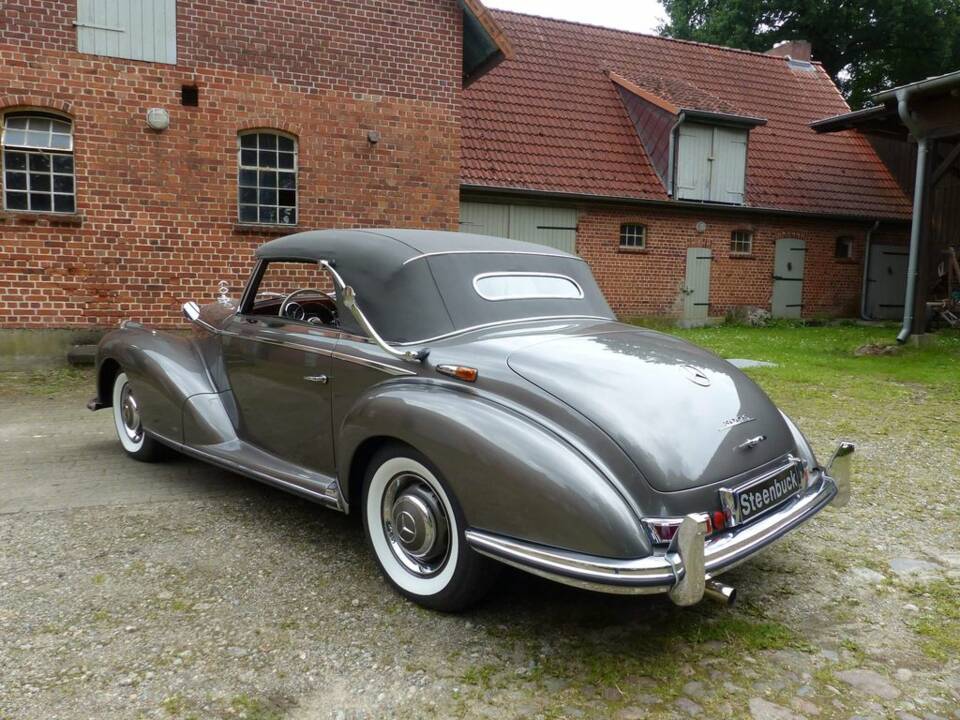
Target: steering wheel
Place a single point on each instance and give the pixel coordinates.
(294, 310)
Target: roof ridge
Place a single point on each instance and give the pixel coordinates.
(652, 36)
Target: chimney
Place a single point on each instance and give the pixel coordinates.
(794, 49)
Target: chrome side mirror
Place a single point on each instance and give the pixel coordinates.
(840, 468)
(191, 311)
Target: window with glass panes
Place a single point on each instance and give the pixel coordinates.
(38, 163)
(741, 242)
(633, 236)
(268, 178)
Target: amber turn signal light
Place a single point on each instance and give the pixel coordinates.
(460, 372)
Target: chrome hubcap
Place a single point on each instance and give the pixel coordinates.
(416, 525)
(130, 415)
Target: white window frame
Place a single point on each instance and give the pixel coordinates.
(629, 236)
(848, 239)
(36, 150)
(245, 166)
(737, 243)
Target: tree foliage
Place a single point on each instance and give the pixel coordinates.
(865, 45)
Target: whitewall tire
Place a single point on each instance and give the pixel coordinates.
(415, 528)
(127, 420)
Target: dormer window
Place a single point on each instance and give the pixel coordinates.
(696, 141)
(711, 163)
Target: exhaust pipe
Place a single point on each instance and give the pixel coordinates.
(720, 593)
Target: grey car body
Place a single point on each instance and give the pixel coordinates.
(585, 450)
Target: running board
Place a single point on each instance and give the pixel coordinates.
(309, 484)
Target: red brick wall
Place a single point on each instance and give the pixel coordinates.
(648, 282)
(156, 219)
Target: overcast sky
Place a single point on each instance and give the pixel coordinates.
(635, 15)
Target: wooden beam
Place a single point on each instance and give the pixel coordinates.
(945, 165)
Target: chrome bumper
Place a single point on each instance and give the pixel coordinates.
(667, 571)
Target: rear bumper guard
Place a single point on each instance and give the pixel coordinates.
(688, 565)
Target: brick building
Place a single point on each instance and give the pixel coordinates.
(278, 115)
(687, 174)
(149, 146)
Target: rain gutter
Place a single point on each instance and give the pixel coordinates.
(916, 225)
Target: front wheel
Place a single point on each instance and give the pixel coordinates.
(126, 417)
(415, 527)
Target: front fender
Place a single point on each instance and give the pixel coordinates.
(511, 476)
(164, 370)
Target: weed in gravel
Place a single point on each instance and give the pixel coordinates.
(939, 622)
(248, 708)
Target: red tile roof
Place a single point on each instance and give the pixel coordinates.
(551, 120)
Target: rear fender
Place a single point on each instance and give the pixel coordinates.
(164, 370)
(512, 476)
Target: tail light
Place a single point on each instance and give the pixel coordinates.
(663, 530)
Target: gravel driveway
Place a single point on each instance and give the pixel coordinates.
(182, 591)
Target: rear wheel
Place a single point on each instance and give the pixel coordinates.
(126, 416)
(415, 527)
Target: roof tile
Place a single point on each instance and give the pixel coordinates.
(551, 119)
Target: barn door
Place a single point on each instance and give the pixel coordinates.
(886, 282)
(788, 265)
(696, 291)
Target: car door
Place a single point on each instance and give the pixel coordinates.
(279, 373)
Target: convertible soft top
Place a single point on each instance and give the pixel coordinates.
(415, 285)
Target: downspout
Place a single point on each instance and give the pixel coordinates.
(866, 268)
(916, 224)
(671, 163)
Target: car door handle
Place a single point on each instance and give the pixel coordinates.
(322, 379)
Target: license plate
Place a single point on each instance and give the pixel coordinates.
(752, 499)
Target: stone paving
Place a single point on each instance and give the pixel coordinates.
(178, 590)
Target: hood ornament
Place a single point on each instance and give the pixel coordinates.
(696, 375)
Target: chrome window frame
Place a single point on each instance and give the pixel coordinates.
(481, 276)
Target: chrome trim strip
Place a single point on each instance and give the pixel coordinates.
(374, 364)
(573, 282)
(499, 323)
(657, 572)
(280, 343)
(491, 252)
(330, 499)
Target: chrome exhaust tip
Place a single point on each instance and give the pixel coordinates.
(720, 593)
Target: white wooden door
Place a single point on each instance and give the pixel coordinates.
(788, 264)
(554, 227)
(696, 291)
(887, 281)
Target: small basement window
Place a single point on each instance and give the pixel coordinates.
(633, 237)
(526, 286)
(741, 242)
(844, 247)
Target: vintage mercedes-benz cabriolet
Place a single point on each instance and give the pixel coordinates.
(474, 398)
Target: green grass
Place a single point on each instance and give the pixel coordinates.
(47, 382)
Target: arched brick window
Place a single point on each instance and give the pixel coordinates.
(267, 176)
(38, 162)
